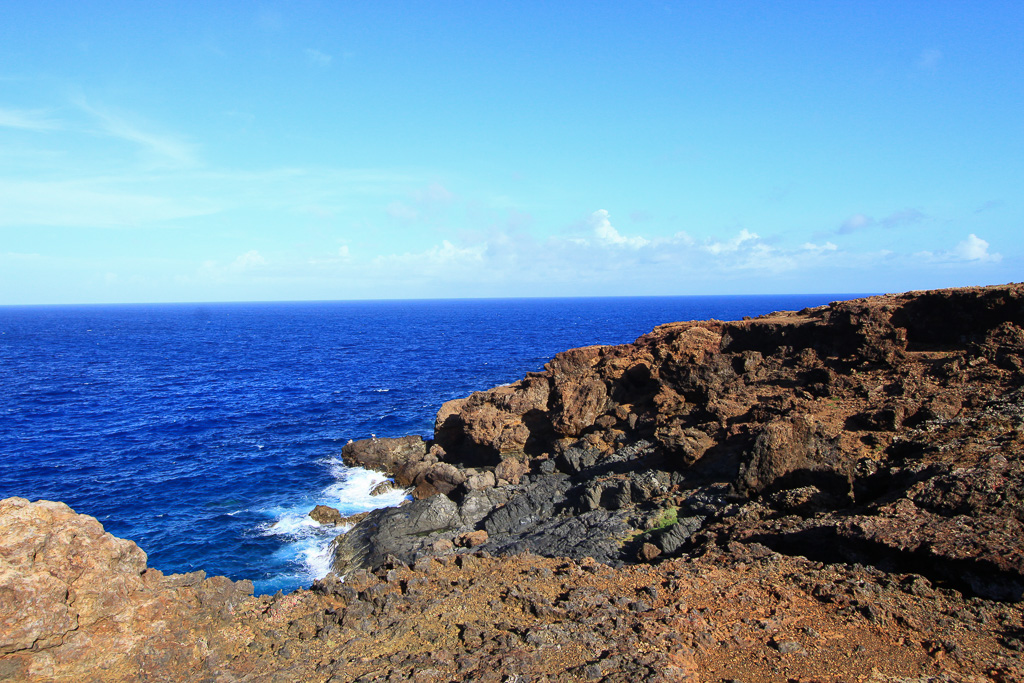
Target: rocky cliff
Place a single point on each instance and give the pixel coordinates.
(884, 431)
(824, 495)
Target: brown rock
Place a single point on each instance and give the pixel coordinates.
(325, 514)
(511, 470)
(480, 480)
(441, 477)
(76, 601)
(384, 455)
(442, 546)
(472, 539)
(648, 552)
(786, 447)
(382, 488)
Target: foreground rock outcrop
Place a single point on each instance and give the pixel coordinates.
(828, 495)
(80, 605)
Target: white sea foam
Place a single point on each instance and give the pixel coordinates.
(307, 543)
(350, 492)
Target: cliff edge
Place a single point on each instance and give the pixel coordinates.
(884, 431)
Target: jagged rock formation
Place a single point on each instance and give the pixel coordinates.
(884, 430)
(829, 495)
(77, 604)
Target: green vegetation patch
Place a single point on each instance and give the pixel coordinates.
(669, 516)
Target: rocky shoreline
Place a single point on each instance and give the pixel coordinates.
(830, 494)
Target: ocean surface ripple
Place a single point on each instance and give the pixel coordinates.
(207, 432)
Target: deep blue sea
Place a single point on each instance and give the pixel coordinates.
(207, 432)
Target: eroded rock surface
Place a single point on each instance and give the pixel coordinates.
(80, 605)
(884, 430)
(77, 604)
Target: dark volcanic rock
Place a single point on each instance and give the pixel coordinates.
(403, 532)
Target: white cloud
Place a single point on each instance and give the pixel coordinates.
(212, 270)
(971, 250)
(828, 246)
(607, 234)
(319, 58)
(445, 255)
(27, 120)
(448, 253)
(88, 204)
(249, 260)
(974, 249)
(730, 246)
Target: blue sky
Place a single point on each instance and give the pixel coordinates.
(244, 151)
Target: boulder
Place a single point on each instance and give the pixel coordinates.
(472, 539)
(788, 448)
(402, 532)
(324, 514)
(384, 455)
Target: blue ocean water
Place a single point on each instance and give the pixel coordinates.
(206, 432)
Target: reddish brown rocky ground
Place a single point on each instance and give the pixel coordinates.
(829, 495)
(80, 606)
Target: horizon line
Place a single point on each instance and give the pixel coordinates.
(841, 296)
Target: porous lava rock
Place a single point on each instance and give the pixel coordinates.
(81, 606)
(77, 604)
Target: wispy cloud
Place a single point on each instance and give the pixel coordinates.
(243, 266)
(434, 193)
(89, 204)
(164, 148)
(929, 59)
(28, 119)
(896, 219)
(318, 58)
(401, 211)
(989, 205)
(422, 204)
(857, 221)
